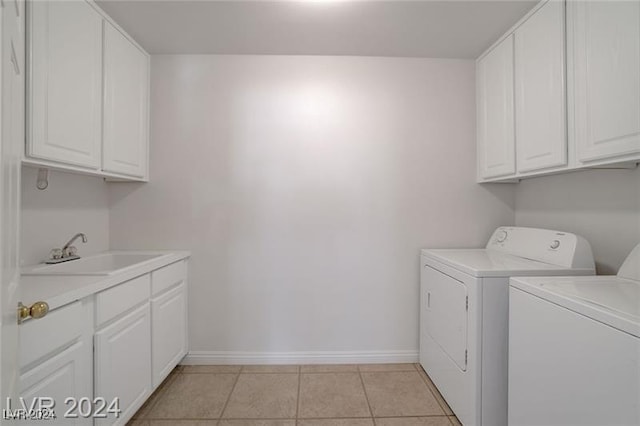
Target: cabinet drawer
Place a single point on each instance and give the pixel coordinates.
(116, 300)
(43, 336)
(167, 277)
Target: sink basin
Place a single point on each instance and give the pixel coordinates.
(101, 264)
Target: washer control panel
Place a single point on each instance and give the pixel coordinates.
(502, 236)
(544, 245)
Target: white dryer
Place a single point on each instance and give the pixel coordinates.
(464, 313)
(574, 349)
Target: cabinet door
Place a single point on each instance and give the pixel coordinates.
(123, 363)
(605, 41)
(496, 137)
(168, 331)
(541, 140)
(12, 126)
(65, 83)
(65, 375)
(126, 84)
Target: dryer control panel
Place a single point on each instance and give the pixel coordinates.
(544, 245)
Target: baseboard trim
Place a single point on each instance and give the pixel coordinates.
(274, 358)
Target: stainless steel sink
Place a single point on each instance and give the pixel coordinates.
(101, 264)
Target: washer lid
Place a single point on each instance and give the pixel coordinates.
(609, 299)
(492, 263)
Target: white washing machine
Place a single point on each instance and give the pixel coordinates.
(464, 313)
(574, 349)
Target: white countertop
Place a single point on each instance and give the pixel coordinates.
(59, 290)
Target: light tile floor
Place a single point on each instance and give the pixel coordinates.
(291, 395)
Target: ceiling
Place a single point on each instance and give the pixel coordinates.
(443, 29)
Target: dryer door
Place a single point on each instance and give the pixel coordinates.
(447, 314)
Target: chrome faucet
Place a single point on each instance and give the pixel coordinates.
(75, 237)
(67, 252)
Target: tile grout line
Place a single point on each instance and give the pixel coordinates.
(422, 375)
(396, 416)
(298, 397)
(329, 419)
(234, 419)
(162, 389)
(366, 397)
(431, 390)
(229, 397)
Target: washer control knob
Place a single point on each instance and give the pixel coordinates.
(555, 244)
(502, 235)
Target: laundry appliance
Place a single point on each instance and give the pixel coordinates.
(574, 349)
(464, 312)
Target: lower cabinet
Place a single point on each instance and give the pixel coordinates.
(97, 360)
(61, 382)
(122, 364)
(169, 340)
(55, 373)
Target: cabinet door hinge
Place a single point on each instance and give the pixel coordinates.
(466, 304)
(466, 356)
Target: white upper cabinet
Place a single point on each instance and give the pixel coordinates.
(126, 89)
(576, 75)
(541, 140)
(88, 92)
(65, 84)
(604, 38)
(496, 137)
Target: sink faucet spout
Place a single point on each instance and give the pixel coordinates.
(75, 237)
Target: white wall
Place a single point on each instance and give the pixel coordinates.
(70, 204)
(305, 187)
(601, 205)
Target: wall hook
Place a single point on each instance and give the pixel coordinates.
(43, 179)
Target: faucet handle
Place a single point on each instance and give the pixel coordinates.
(70, 251)
(56, 253)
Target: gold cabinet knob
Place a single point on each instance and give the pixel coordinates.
(37, 310)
